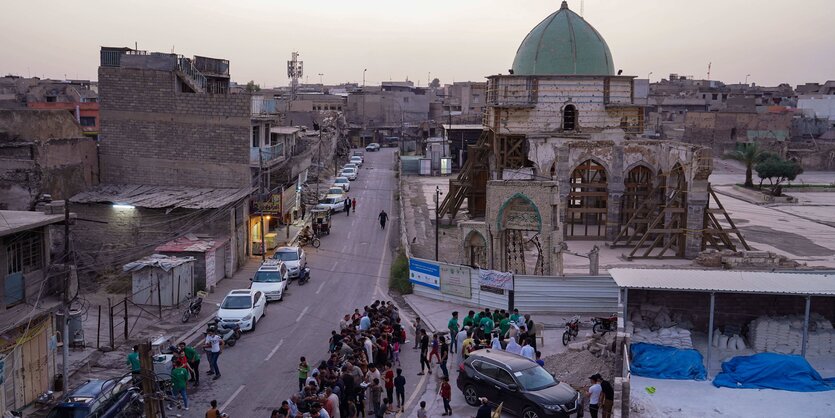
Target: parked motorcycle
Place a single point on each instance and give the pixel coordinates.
(304, 275)
(604, 325)
(229, 333)
(305, 240)
(572, 329)
(194, 306)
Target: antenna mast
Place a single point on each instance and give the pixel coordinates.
(295, 70)
(708, 70)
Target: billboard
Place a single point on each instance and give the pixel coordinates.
(425, 273)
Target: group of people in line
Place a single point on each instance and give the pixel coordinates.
(362, 375)
(185, 367)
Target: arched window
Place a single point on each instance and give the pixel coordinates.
(569, 118)
(587, 202)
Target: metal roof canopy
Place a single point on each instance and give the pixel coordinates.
(723, 281)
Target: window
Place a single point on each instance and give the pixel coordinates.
(714, 96)
(405, 100)
(51, 99)
(569, 118)
(24, 254)
(256, 136)
(88, 121)
(504, 377)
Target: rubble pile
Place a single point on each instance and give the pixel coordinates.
(575, 367)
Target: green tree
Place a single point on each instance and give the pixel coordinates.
(748, 153)
(251, 87)
(435, 84)
(777, 170)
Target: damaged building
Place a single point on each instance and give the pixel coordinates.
(560, 158)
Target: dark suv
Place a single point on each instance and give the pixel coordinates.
(526, 389)
(96, 399)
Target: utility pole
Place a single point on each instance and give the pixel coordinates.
(319, 165)
(261, 200)
(437, 199)
(146, 367)
(65, 349)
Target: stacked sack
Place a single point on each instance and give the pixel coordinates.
(671, 337)
(724, 342)
(784, 335)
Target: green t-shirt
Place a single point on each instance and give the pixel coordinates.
(453, 326)
(515, 318)
(497, 317)
(468, 321)
(303, 370)
(191, 354)
(133, 361)
(179, 376)
(504, 325)
(487, 324)
(477, 318)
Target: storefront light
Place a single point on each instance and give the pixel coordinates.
(123, 206)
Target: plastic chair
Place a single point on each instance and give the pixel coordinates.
(539, 330)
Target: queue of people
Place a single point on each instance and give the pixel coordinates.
(497, 329)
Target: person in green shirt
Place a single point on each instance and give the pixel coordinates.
(179, 376)
(193, 358)
(303, 370)
(515, 316)
(133, 361)
(469, 321)
(477, 318)
(504, 325)
(452, 325)
(487, 325)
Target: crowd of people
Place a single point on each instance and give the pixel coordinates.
(362, 375)
(497, 329)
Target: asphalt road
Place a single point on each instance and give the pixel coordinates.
(349, 270)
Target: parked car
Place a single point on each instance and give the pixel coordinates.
(357, 160)
(351, 165)
(242, 307)
(294, 258)
(351, 173)
(334, 202)
(271, 278)
(343, 182)
(525, 388)
(372, 147)
(96, 398)
(335, 190)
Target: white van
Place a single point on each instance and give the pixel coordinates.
(271, 279)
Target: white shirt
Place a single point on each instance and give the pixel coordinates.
(496, 344)
(369, 350)
(513, 347)
(214, 340)
(528, 351)
(335, 402)
(365, 323)
(594, 394)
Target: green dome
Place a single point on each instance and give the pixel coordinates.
(563, 44)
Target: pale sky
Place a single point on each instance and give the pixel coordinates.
(454, 40)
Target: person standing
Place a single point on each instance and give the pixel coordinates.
(444, 357)
(528, 350)
(539, 359)
(469, 320)
(459, 341)
(446, 395)
(383, 216)
(304, 369)
(435, 352)
(594, 393)
(376, 397)
(213, 412)
(213, 346)
(424, 352)
(179, 376)
(400, 390)
(452, 325)
(484, 411)
(133, 362)
(347, 204)
(193, 359)
(354, 204)
(608, 397)
(388, 379)
(418, 328)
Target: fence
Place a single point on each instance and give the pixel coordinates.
(534, 294)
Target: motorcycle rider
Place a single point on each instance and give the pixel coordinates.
(306, 234)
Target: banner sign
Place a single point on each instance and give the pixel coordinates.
(425, 273)
(495, 279)
(455, 280)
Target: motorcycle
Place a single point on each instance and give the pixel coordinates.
(604, 325)
(304, 276)
(194, 306)
(572, 329)
(229, 333)
(305, 240)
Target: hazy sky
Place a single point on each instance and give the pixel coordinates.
(455, 40)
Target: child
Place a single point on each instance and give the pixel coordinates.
(396, 352)
(421, 413)
(303, 369)
(446, 395)
(434, 349)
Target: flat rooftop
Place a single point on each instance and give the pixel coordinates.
(14, 221)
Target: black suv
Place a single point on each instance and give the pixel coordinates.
(526, 389)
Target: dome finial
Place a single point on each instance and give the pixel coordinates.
(564, 5)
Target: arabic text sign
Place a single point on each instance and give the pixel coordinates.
(495, 279)
(455, 280)
(424, 273)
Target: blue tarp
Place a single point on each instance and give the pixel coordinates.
(772, 371)
(662, 362)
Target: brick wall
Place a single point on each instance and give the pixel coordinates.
(151, 134)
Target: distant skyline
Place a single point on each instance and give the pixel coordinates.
(461, 40)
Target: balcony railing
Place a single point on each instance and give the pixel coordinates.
(267, 154)
(186, 66)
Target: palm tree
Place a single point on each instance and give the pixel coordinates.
(748, 153)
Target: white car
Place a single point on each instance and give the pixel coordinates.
(271, 279)
(292, 257)
(357, 160)
(351, 165)
(372, 147)
(335, 190)
(242, 307)
(351, 173)
(343, 182)
(334, 202)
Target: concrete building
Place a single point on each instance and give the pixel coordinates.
(29, 299)
(562, 160)
(43, 152)
(462, 103)
(389, 110)
(721, 131)
(78, 97)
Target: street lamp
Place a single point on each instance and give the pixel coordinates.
(650, 73)
(363, 77)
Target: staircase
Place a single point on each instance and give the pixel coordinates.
(460, 187)
(193, 78)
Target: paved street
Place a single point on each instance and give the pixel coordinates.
(348, 271)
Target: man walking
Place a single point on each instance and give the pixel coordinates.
(213, 346)
(179, 376)
(400, 390)
(133, 362)
(383, 218)
(424, 352)
(594, 394)
(452, 325)
(347, 204)
(193, 359)
(446, 395)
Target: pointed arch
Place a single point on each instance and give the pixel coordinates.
(519, 208)
(587, 206)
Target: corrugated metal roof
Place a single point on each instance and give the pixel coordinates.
(163, 262)
(284, 130)
(190, 243)
(726, 281)
(156, 197)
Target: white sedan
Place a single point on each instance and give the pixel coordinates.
(242, 307)
(342, 182)
(351, 173)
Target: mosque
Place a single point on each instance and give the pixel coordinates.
(561, 158)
